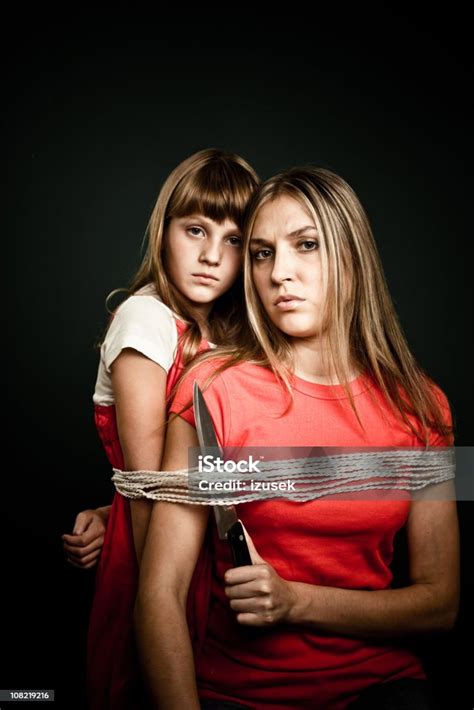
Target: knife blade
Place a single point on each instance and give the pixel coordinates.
(229, 527)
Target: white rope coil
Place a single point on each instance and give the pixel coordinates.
(295, 479)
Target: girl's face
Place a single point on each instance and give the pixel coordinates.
(202, 257)
(286, 267)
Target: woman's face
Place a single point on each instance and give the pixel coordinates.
(202, 257)
(286, 267)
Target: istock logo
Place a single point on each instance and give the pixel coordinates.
(210, 464)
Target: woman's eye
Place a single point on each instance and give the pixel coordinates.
(262, 254)
(195, 231)
(308, 245)
(235, 241)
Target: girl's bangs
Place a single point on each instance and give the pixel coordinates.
(219, 197)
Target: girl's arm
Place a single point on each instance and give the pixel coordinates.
(84, 544)
(139, 386)
(260, 597)
(173, 542)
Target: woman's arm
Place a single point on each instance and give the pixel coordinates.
(173, 542)
(430, 603)
(139, 386)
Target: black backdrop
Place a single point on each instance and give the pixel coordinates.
(98, 109)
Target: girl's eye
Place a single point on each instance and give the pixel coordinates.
(195, 231)
(235, 241)
(308, 245)
(262, 254)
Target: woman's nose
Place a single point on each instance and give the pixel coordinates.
(282, 268)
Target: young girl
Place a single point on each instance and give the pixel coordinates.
(186, 294)
(313, 622)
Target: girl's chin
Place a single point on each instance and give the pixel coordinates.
(201, 296)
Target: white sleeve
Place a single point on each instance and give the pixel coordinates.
(144, 324)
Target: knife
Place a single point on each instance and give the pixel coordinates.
(229, 527)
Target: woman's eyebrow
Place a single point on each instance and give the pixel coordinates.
(301, 230)
(291, 235)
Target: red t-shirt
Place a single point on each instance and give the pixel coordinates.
(328, 542)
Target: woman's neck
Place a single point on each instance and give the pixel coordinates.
(313, 364)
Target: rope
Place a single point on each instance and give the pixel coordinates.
(294, 479)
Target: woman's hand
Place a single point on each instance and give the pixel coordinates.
(84, 545)
(258, 595)
(428, 604)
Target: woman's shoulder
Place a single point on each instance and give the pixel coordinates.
(437, 411)
(439, 395)
(219, 378)
(442, 401)
(224, 370)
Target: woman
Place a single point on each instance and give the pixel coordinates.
(313, 622)
(186, 294)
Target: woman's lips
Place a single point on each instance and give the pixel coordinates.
(288, 302)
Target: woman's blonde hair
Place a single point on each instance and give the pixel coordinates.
(360, 324)
(219, 186)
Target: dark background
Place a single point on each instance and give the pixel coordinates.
(98, 109)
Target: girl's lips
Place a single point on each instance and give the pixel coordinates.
(205, 278)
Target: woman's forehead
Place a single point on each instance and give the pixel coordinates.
(284, 215)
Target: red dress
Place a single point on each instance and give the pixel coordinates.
(113, 678)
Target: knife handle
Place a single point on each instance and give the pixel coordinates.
(238, 544)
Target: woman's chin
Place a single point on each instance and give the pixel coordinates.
(294, 329)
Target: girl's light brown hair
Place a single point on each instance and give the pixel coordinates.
(219, 186)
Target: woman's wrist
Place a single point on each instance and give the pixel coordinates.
(296, 603)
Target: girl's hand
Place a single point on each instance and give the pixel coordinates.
(84, 545)
(258, 595)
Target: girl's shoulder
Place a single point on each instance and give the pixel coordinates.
(143, 323)
(144, 302)
(145, 313)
